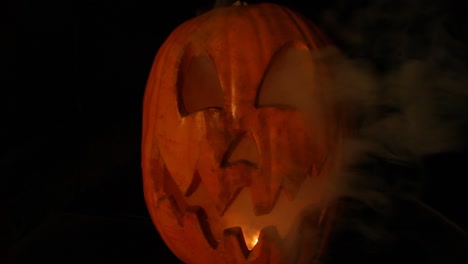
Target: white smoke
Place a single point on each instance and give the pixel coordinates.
(403, 77)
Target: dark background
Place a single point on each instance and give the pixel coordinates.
(73, 78)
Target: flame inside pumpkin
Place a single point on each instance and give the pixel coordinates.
(251, 238)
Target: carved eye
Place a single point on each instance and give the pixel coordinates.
(198, 85)
(288, 79)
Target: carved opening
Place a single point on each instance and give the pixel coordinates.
(204, 224)
(198, 86)
(242, 150)
(288, 78)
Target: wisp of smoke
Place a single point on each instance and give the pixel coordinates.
(405, 90)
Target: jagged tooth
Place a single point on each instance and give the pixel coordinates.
(196, 227)
(182, 175)
(235, 178)
(265, 188)
(178, 226)
(292, 184)
(223, 204)
(326, 226)
(169, 223)
(264, 197)
(234, 243)
(314, 171)
(322, 216)
(268, 248)
(168, 211)
(308, 237)
(291, 189)
(193, 184)
(302, 240)
(223, 185)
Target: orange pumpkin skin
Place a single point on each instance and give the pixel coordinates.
(213, 133)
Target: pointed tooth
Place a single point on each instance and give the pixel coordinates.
(314, 171)
(193, 184)
(196, 227)
(264, 197)
(168, 211)
(326, 226)
(223, 185)
(309, 236)
(234, 243)
(169, 218)
(293, 183)
(235, 178)
(178, 227)
(268, 248)
(245, 150)
(265, 189)
(223, 205)
(322, 215)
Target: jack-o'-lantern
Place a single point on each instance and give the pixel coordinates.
(231, 166)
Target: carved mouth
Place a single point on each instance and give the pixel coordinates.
(284, 215)
(239, 231)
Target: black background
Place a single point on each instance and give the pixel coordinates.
(73, 78)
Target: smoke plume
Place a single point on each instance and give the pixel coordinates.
(400, 74)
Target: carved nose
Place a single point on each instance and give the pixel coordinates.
(243, 150)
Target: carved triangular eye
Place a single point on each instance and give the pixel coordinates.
(198, 86)
(288, 78)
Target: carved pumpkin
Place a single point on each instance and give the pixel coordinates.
(230, 165)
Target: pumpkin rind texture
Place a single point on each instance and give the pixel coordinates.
(222, 124)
